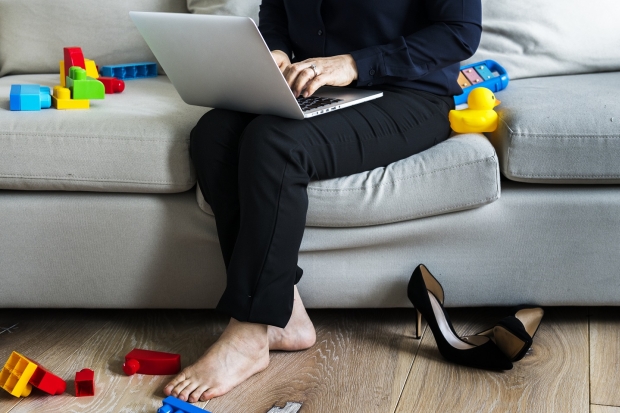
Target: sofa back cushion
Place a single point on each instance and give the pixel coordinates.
(246, 8)
(33, 32)
(552, 37)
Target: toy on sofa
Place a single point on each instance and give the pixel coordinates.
(82, 86)
(29, 97)
(76, 58)
(479, 117)
(130, 70)
(488, 74)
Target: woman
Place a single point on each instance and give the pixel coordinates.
(254, 170)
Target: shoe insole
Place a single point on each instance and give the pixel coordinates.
(530, 318)
(447, 332)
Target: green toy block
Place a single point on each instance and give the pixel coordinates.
(84, 87)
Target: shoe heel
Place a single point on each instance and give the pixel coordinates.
(418, 325)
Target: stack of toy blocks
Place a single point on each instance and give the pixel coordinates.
(20, 374)
(78, 81)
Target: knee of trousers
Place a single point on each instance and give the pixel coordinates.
(269, 142)
(213, 133)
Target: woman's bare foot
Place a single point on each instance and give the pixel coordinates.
(299, 333)
(241, 351)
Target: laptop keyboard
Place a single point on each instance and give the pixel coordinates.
(315, 102)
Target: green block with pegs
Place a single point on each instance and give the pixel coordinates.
(84, 87)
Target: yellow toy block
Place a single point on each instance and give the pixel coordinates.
(15, 375)
(62, 73)
(91, 69)
(61, 99)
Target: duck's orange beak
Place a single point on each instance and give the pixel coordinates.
(497, 102)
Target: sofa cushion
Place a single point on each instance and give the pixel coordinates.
(246, 8)
(33, 32)
(561, 129)
(552, 37)
(136, 141)
(459, 173)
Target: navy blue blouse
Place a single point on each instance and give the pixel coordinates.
(412, 43)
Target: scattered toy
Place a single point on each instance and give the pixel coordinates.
(151, 362)
(82, 86)
(73, 57)
(112, 84)
(61, 99)
(30, 97)
(479, 117)
(47, 381)
(130, 71)
(85, 383)
(173, 405)
(16, 374)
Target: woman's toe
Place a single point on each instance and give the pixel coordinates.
(178, 379)
(179, 388)
(195, 396)
(184, 395)
(211, 393)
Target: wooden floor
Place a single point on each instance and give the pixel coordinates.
(363, 361)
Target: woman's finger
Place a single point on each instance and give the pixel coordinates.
(302, 80)
(292, 71)
(314, 84)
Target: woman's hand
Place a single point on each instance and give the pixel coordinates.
(281, 59)
(335, 71)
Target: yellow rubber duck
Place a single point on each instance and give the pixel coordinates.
(480, 116)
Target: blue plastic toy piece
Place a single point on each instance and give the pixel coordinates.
(488, 73)
(30, 97)
(174, 405)
(130, 71)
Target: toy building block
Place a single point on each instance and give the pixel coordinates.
(151, 362)
(61, 99)
(173, 405)
(130, 71)
(47, 381)
(73, 57)
(16, 374)
(29, 97)
(82, 86)
(91, 68)
(112, 84)
(85, 383)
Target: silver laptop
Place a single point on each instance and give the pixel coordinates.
(223, 62)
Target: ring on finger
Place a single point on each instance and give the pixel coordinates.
(313, 67)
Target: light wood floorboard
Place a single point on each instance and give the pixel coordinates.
(184, 332)
(605, 356)
(359, 364)
(595, 408)
(42, 333)
(553, 378)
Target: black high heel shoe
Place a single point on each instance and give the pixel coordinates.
(426, 295)
(514, 335)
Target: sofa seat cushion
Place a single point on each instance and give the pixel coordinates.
(135, 141)
(562, 129)
(460, 173)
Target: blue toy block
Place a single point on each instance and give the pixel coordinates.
(174, 405)
(130, 71)
(30, 97)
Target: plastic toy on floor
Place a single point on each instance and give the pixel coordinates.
(173, 405)
(479, 117)
(151, 362)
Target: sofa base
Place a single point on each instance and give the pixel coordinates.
(545, 244)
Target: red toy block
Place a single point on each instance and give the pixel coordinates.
(84, 383)
(45, 380)
(151, 362)
(112, 84)
(73, 57)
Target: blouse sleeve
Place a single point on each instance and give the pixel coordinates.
(453, 36)
(273, 25)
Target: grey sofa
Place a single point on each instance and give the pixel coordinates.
(100, 208)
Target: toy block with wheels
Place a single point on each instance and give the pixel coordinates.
(85, 383)
(151, 362)
(15, 375)
(130, 71)
(82, 86)
(173, 405)
(112, 84)
(61, 99)
(29, 97)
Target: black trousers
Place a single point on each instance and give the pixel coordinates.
(253, 171)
